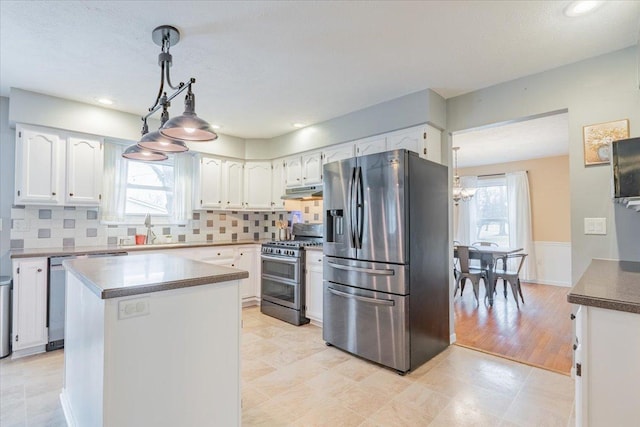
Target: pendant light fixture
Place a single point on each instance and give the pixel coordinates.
(171, 136)
(460, 192)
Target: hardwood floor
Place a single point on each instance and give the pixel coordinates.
(539, 334)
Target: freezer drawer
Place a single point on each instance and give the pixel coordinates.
(372, 325)
(374, 276)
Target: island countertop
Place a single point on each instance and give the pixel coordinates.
(610, 284)
(113, 277)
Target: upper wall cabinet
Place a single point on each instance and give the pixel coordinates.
(208, 186)
(257, 185)
(84, 157)
(57, 168)
(371, 145)
(232, 181)
(304, 170)
(278, 184)
(338, 152)
(424, 140)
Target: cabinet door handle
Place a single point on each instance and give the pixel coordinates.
(53, 193)
(39, 270)
(575, 347)
(573, 316)
(70, 194)
(233, 265)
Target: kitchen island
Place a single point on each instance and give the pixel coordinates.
(607, 347)
(151, 340)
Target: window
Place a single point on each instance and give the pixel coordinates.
(149, 188)
(492, 210)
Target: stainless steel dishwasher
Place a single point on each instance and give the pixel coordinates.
(56, 296)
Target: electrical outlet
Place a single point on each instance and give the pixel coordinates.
(20, 225)
(133, 308)
(595, 226)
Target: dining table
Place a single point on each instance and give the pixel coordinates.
(488, 255)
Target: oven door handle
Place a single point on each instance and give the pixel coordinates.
(378, 272)
(377, 301)
(285, 260)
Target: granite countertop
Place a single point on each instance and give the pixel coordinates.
(81, 250)
(113, 277)
(614, 285)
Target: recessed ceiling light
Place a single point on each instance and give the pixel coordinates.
(299, 125)
(581, 7)
(105, 101)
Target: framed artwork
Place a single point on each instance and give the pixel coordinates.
(598, 138)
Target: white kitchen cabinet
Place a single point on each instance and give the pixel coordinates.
(371, 145)
(248, 258)
(313, 285)
(243, 257)
(209, 184)
(607, 369)
(84, 157)
(278, 184)
(232, 179)
(312, 168)
(304, 170)
(39, 166)
(257, 185)
(57, 167)
(29, 332)
(423, 139)
(338, 152)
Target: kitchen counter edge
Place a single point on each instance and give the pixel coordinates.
(86, 250)
(609, 284)
(203, 274)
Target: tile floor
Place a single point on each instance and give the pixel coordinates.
(290, 378)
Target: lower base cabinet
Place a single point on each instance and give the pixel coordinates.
(29, 333)
(313, 285)
(607, 356)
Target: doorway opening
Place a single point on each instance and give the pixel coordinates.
(520, 173)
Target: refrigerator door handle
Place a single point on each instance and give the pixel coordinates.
(352, 209)
(378, 272)
(376, 301)
(360, 206)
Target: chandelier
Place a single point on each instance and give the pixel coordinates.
(172, 134)
(459, 192)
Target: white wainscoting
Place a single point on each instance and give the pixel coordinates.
(553, 261)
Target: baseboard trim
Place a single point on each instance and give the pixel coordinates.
(66, 409)
(28, 352)
(452, 339)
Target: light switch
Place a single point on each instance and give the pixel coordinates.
(595, 226)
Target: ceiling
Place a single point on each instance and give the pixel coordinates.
(261, 66)
(523, 140)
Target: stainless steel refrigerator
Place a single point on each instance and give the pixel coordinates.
(386, 270)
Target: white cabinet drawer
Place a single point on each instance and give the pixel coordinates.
(314, 259)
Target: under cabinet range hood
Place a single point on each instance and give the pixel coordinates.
(308, 192)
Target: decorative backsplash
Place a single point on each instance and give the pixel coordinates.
(311, 211)
(53, 227)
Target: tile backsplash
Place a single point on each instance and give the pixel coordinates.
(53, 227)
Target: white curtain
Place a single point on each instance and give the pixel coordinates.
(182, 191)
(114, 183)
(465, 228)
(520, 235)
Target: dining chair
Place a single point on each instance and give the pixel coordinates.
(465, 272)
(511, 275)
(455, 261)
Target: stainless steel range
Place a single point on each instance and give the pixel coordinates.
(282, 284)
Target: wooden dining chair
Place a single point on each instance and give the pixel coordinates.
(512, 276)
(465, 272)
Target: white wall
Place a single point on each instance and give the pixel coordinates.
(416, 108)
(596, 90)
(43, 110)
